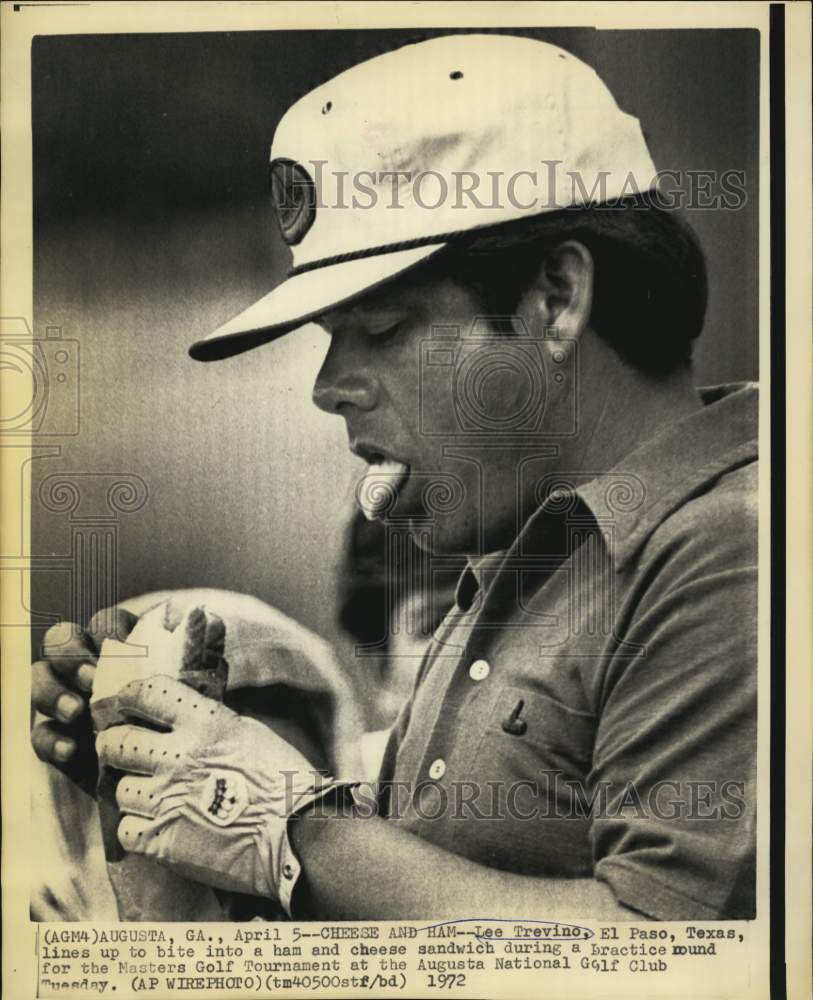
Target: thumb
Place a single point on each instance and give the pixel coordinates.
(111, 623)
(167, 702)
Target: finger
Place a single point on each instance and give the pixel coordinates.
(111, 623)
(68, 649)
(138, 796)
(134, 749)
(69, 750)
(134, 834)
(51, 744)
(51, 696)
(165, 701)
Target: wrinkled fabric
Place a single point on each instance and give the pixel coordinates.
(599, 677)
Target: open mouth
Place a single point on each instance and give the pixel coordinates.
(382, 482)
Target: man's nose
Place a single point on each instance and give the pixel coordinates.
(344, 379)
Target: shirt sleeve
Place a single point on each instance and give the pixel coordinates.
(674, 772)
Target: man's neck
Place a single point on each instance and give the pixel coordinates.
(621, 408)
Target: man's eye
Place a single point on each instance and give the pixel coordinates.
(386, 331)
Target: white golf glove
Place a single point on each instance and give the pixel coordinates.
(212, 794)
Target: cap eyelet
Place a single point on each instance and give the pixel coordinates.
(456, 75)
(326, 107)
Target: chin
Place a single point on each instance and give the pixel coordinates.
(444, 536)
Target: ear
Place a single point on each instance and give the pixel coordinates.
(561, 294)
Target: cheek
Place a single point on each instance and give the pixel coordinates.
(421, 406)
(399, 372)
(504, 395)
(501, 388)
(492, 388)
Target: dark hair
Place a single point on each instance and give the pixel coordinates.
(650, 285)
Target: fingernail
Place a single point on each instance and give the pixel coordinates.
(84, 676)
(63, 749)
(68, 706)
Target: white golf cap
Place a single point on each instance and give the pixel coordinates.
(379, 168)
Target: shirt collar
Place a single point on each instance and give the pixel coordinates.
(665, 471)
(476, 578)
(644, 488)
(674, 466)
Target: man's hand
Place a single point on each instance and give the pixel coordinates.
(61, 683)
(207, 791)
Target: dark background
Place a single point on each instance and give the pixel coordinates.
(152, 226)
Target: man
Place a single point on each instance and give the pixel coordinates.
(513, 362)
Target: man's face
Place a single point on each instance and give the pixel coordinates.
(413, 394)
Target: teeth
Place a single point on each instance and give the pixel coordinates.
(380, 486)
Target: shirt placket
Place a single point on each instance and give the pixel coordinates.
(470, 682)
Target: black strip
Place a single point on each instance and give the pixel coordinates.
(385, 248)
(778, 972)
(472, 232)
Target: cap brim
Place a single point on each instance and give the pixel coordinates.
(302, 298)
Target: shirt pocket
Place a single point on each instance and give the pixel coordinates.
(529, 732)
(533, 759)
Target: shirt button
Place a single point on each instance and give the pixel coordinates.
(479, 670)
(288, 871)
(438, 769)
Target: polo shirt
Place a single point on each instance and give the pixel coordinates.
(588, 706)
